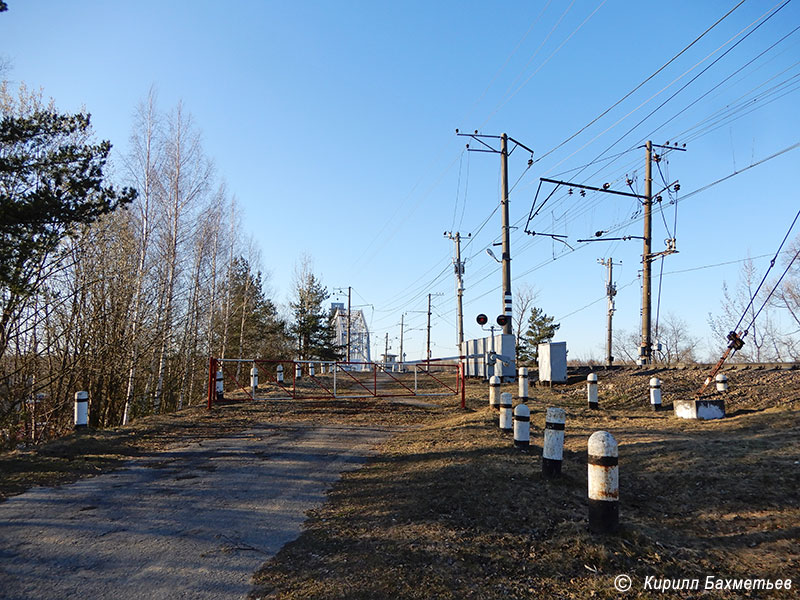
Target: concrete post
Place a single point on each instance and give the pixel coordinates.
(523, 384)
(254, 378)
(279, 373)
(603, 461)
(81, 410)
(655, 393)
(722, 382)
(591, 390)
(553, 449)
(494, 391)
(220, 385)
(506, 420)
(522, 426)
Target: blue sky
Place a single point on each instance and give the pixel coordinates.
(334, 123)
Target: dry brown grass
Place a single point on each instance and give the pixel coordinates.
(453, 510)
(450, 509)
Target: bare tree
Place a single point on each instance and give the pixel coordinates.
(739, 304)
(187, 176)
(677, 345)
(626, 344)
(144, 164)
(524, 297)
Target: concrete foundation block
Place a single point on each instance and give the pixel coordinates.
(700, 409)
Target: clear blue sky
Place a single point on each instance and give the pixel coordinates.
(333, 124)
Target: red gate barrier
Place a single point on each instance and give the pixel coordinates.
(313, 380)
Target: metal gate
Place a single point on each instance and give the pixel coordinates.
(310, 380)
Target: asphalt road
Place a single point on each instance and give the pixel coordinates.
(196, 522)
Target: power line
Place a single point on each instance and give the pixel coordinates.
(635, 89)
(763, 19)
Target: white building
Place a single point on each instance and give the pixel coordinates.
(359, 332)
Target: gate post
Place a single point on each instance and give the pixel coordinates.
(212, 381)
(462, 380)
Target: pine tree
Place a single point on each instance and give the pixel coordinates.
(541, 329)
(51, 182)
(313, 329)
(256, 330)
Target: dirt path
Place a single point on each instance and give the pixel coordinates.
(195, 522)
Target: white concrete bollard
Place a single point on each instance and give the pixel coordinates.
(494, 391)
(553, 448)
(591, 390)
(523, 384)
(81, 410)
(298, 371)
(603, 461)
(279, 373)
(655, 393)
(220, 385)
(506, 420)
(722, 382)
(254, 378)
(311, 371)
(522, 426)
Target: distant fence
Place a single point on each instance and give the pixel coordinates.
(316, 380)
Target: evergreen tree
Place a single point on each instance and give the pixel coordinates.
(51, 182)
(256, 329)
(541, 329)
(313, 329)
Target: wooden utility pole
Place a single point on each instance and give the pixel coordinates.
(402, 316)
(386, 351)
(429, 333)
(459, 271)
(504, 153)
(506, 258)
(611, 291)
(349, 291)
(646, 350)
(648, 256)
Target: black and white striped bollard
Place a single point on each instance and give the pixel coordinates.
(279, 373)
(553, 448)
(298, 371)
(523, 384)
(722, 382)
(591, 391)
(494, 391)
(506, 420)
(311, 371)
(603, 461)
(81, 410)
(655, 393)
(220, 385)
(254, 378)
(522, 426)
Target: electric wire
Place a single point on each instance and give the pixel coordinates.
(716, 86)
(771, 265)
(510, 56)
(752, 26)
(635, 89)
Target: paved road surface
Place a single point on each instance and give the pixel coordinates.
(191, 523)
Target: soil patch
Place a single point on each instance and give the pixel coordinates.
(453, 510)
